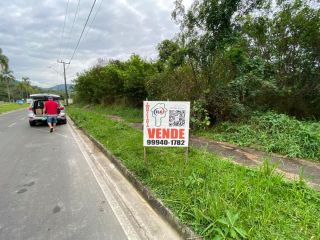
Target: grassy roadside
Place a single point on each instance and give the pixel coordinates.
(269, 132)
(272, 132)
(213, 196)
(129, 114)
(6, 107)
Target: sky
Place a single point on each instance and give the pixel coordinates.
(34, 34)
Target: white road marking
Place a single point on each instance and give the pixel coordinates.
(12, 124)
(115, 206)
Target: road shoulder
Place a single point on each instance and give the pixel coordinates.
(146, 213)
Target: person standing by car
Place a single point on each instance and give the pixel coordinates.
(51, 108)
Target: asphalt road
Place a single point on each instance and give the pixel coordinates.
(48, 189)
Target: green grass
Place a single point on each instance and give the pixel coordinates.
(130, 114)
(272, 132)
(269, 132)
(211, 195)
(6, 107)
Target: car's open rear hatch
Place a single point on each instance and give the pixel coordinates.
(44, 97)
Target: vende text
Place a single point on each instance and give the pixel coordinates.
(165, 133)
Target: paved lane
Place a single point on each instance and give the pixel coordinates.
(47, 190)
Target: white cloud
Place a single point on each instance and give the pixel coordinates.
(30, 32)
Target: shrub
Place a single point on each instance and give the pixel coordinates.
(199, 116)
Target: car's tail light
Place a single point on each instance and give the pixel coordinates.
(30, 108)
(61, 108)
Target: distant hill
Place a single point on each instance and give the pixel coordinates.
(60, 87)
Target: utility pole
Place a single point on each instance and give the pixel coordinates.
(8, 88)
(65, 79)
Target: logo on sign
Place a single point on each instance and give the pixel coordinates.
(159, 112)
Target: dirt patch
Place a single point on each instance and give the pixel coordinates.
(115, 118)
(137, 126)
(87, 106)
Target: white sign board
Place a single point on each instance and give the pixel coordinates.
(166, 124)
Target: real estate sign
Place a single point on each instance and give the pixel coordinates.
(166, 124)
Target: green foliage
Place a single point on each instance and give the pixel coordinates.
(100, 84)
(4, 62)
(208, 25)
(115, 82)
(236, 56)
(255, 61)
(171, 54)
(272, 132)
(213, 196)
(199, 116)
(11, 89)
(178, 84)
(193, 181)
(133, 115)
(228, 228)
(6, 107)
(135, 73)
(287, 43)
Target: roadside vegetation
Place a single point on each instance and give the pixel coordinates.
(7, 107)
(251, 71)
(271, 132)
(11, 89)
(216, 198)
(231, 58)
(130, 114)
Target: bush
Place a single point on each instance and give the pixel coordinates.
(199, 116)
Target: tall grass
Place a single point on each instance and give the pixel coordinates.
(272, 132)
(128, 113)
(213, 196)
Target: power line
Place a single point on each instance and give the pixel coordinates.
(53, 69)
(71, 29)
(64, 25)
(74, 19)
(85, 36)
(75, 16)
(84, 27)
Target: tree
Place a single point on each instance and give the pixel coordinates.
(27, 86)
(21, 89)
(4, 62)
(208, 26)
(134, 74)
(171, 53)
(7, 78)
(288, 44)
(4, 70)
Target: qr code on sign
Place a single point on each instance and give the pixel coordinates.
(177, 118)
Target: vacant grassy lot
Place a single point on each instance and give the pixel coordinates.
(6, 107)
(269, 132)
(272, 132)
(213, 196)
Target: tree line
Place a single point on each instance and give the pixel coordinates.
(230, 58)
(10, 88)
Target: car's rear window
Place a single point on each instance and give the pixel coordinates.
(40, 103)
